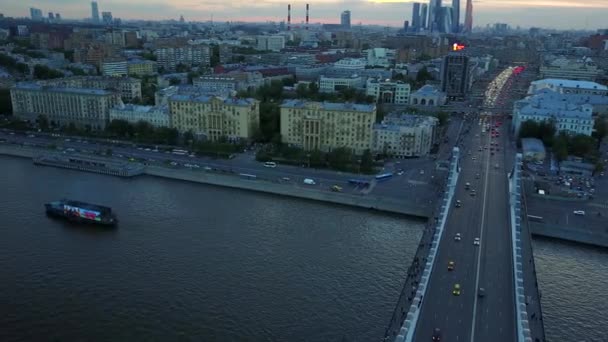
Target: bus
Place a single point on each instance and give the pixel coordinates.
(384, 176)
(358, 182)
(180, 152)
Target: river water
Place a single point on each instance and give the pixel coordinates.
(195, 262)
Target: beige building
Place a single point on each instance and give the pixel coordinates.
(129, 88)
(141, 68)
(62, 106)
(403, 136)
(326, 126)
(214, 117)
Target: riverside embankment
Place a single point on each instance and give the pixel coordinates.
(410, 206)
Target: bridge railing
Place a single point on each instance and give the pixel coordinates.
(515, 193)
(406, 333)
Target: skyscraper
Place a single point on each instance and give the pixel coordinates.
(345, 19)
(423, 15)
(455, 16)
(94, 12)
(455, 78)
(107, 17)
(416, 17)
(434, 15)
(36, 13)
(468, 18)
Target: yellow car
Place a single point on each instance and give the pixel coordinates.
(336, 188)
(456, 291)
(450, 266)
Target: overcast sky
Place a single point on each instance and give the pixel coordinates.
(561, 14)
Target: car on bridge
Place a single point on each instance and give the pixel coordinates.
(450, 265)
(458, 204)
(437, 335)
(476, 242)
(457, 237)
(456, 290)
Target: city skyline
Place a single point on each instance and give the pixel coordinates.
(559, 14)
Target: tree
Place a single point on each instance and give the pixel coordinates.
(313, 88)
(288, 82)
(302, 90)
(546, 132)
(44, 73)
(43, 122)
(380, 113)
(316, 158)
(22, 68)
(182, 68)
(188, 137)
(529, 129)
(120, 128)
(174, 81)
(340, 158)
(581, 145)
(443, 118)
(6, 107)
(215, 55)
(600, 129)
(269, 120)
(423, 75)
(560, 147)
(367, 162)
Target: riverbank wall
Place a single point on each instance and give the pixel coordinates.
(597, 236)
(407, 206)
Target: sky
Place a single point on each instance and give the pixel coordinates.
(560, 14)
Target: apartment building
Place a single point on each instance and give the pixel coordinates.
(402, 136)
(128, 88)
(156, 116)
(141, 67)
(270, 43)
(334, 84)
(190, 55)
(326, 126)
(114, 68)
(395, 92)
(214, 117)
(86, 108)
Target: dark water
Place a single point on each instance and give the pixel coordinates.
(192, 262)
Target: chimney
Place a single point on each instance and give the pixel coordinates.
(307, 16)
(289, 17)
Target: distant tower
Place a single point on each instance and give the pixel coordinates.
(345, 19)
(455, 16)
(307, 7)
(468, 19)
(181, 19)
(406, 26)
(94, 12)
(51, 16)
(423, 14)
(416, 16)
(57, 16)
(289, 17)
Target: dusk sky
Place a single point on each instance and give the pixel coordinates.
(562, 14)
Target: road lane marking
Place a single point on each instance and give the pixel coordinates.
(483, 218)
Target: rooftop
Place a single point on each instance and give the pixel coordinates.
(395, 121)
(208, 98)
(329, 105)
(427, 90)
(83, 91)
(557, 82)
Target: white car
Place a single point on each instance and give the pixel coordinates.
(270, 164)
(476, 242)
(309, 181)
(579, 212)
(457, 237)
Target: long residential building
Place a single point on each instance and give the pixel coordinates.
(86, 108)
(326, 126)
(128, 88)
(548, 105)
(141, 67)
(189, 55)
(215, 117)
(396, 92)
(156, 116)
(403, 136)
(583, 69)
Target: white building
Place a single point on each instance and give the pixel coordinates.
(334, 84)
(428, 95)
(564, 68)
(156, 116)
(381, 57)
(189, 55)
(387, 91)
(403, 136)
(350, 64)
(564, 86)
(568, 117)
(270, 43)
(114, 68)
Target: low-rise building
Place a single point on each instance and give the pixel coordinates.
(215, 117)
(326, 126)
(568, 117)
(395, 92)
(114, 68)
(428, 95)
(85, 107)
(381, 57)
(334, 84)
(141, 67)
(404, 135)
(156, 116)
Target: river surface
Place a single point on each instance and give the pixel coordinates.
(194, 262)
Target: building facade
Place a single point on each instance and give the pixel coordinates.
(326, 126)
(156, 116)
(396, 92)
(114, 68)
(128, 88)
(428, 95)
(403, 136)
(455, 73)
(334, 84)
(214, 117)
(270, 43)
(189, 55)
(583, 69)
(86, 108)
(141, 68)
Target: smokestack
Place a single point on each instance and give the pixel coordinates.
(307, 16)
(289, 17)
